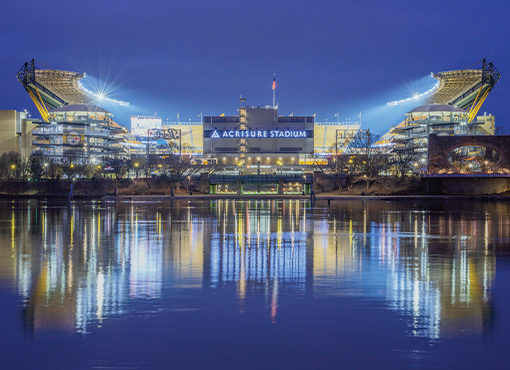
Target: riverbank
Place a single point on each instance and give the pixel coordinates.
(319, 197)
(199, 196)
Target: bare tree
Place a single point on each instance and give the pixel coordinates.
(118, 165)
(367, 161)
(14, 165)
(138, 163)
(403, 161)
(36, 166)
(500, 131)
(53, 169)
(24, 166)
(179, 167)
(5, 166)
(338, 166)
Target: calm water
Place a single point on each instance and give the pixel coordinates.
(246, 284)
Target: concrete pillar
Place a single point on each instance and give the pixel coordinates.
(204, 183)
(239, 186)
(280, 186)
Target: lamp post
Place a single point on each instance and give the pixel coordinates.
(15, 176)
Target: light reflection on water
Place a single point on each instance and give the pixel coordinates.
(76, 265)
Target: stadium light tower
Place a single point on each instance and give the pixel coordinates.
(101, 95)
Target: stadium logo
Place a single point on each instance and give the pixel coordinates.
(259, 134)
(73, 138)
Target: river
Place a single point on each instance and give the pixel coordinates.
(248, 284)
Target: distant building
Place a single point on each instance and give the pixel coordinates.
(16, 132)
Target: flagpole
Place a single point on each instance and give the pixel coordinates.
(274, 90)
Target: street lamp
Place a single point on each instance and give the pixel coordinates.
(280, 164)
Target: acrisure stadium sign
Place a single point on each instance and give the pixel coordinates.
(258, 134)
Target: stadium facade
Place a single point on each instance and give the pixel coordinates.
(258, 140)
(255, 138)
(80, 132)
(451, 109)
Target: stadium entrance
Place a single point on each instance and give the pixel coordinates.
(259, 141)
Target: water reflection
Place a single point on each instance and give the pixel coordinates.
(75, 265)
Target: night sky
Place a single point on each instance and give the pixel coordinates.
(195, 56)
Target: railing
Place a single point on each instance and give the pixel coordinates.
(259, 178)
(104, 131)
(466, 175)
(332, 123)
(181, 123)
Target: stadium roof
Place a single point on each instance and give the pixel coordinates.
(80, 108)
(64, 84)
(427, 108)
(51, 88)
(465, 89)
(462, 87)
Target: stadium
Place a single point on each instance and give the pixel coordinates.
(450, 109)
(69, 110)
(51, 90)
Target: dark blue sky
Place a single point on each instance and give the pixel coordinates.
(198, 56)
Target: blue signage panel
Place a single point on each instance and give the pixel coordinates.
(258, 134)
